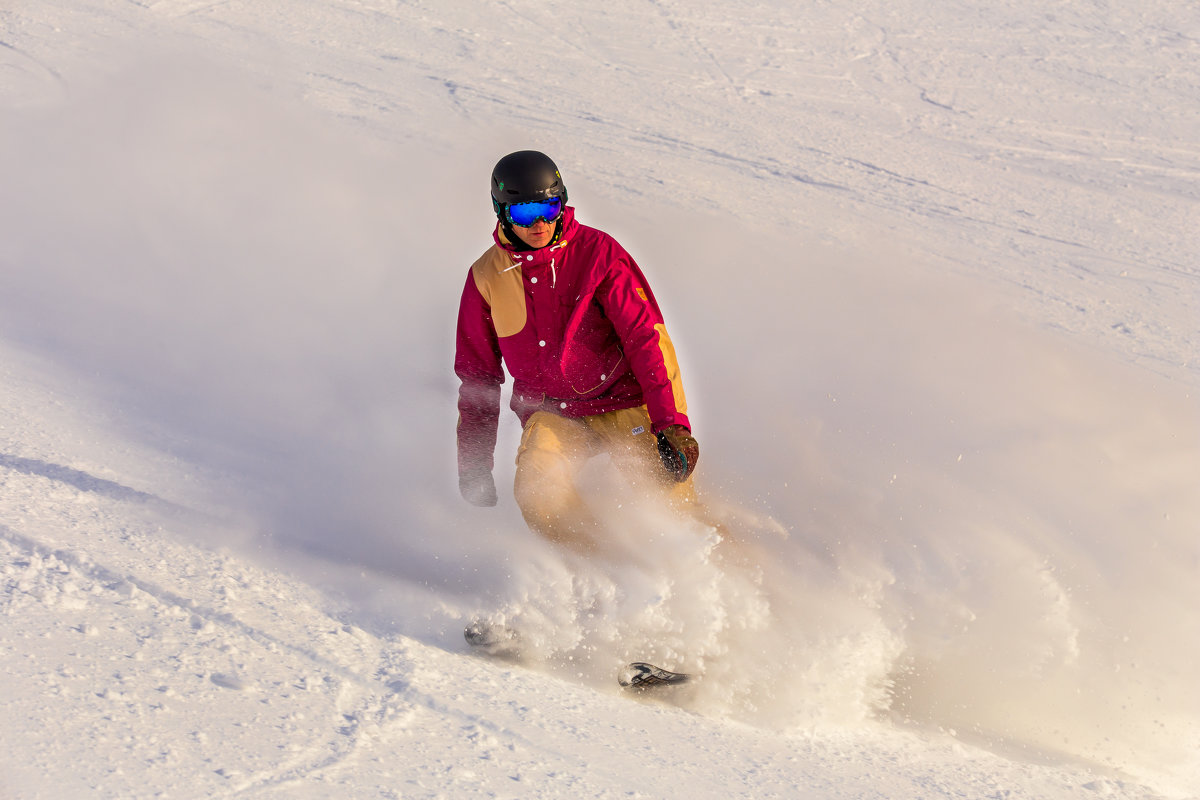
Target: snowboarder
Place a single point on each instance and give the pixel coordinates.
(567, 310)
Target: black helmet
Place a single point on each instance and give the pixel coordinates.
(525, 176)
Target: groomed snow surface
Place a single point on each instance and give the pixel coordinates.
(932, 272)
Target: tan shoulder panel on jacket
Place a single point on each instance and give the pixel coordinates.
(503, 288)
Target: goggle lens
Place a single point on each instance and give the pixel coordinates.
(524, 215)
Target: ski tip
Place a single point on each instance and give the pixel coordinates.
(480, 633)
(493, 639)
(641, 675)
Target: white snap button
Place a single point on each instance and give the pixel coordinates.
(529, 258)
(603, 377)
(533, 280)
(542, 343)
(562, 405)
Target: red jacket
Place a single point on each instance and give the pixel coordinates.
(577, 327)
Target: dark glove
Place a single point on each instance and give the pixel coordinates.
(679, 451)
(478, 488)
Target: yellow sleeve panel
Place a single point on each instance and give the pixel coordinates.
(672, 364)
(503, 289)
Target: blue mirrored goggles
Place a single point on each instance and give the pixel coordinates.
(524, 215)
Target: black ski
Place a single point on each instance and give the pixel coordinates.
(640, 676)
(499, 640)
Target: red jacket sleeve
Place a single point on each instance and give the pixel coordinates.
(634, 313)
(477, 363)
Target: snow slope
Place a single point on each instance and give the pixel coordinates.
(933, 276)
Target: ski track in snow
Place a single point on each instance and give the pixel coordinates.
(230, 565)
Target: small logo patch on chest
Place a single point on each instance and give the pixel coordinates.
(639, 429)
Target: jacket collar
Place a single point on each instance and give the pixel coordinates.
(546, 254)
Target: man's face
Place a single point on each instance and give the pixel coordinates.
(537, 235)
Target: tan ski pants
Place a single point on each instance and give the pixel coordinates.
(554, 448)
